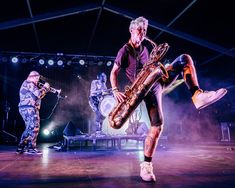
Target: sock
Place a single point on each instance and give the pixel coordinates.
(193, 89)
(147, 159)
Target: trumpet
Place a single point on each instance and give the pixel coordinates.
(51, 89)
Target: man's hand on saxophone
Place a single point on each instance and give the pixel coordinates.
(119, 96)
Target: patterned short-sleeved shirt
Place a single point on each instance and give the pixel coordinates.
(31, 95)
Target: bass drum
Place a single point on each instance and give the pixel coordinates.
(106, 105)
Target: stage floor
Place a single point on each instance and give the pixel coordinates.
(175, 165)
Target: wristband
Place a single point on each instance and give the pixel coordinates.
(114, 89)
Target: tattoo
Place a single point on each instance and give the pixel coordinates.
(149, 145)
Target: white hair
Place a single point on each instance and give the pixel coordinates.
(139, 22)
(32, 74)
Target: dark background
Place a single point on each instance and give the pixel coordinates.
(33, 29)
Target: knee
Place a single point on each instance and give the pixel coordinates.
(155, 131)
(186, 59)
(182, 61)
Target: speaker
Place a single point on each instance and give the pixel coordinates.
(71, 130)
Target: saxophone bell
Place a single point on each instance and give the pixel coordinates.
(158, 51)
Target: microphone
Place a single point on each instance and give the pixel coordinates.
(62, 97)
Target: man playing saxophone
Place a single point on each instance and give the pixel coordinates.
(131, 58)
(29, 105)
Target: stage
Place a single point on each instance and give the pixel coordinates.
(113, 142)
(175, 165)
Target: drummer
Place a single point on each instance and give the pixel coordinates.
(97, 89)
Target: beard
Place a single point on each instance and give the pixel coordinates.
(137, 41)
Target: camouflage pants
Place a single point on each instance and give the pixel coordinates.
(94, 103)
(32, 125)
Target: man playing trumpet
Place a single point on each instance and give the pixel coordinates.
(29, 105)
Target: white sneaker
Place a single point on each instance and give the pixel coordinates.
(146, 171)
(202, 99)
(33, 151)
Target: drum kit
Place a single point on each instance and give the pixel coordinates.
(106, 102)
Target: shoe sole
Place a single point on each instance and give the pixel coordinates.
(21, 152)
(148, 180)
(32, 153)
(213, 101)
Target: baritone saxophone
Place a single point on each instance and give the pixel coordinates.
(151, 72)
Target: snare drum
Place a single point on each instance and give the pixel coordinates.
(106, 105)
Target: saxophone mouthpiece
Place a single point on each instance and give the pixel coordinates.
(146, 38)
(151, 41)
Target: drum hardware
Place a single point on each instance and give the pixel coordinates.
(103, 92)
(102, 101)
(107, 104)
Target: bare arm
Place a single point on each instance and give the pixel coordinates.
(114, 83)
(93, 89)
(113, 76)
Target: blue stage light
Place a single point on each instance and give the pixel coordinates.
(109, 63)
(41, 61)
(14, 59)
(50, 62)
(60, 62)
(46, 132)
(81, 62)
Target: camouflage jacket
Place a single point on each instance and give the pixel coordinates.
(31, 95)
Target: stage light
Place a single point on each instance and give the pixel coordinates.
(69, 62)
(79, 77)
(46, 132)
(60, 62)
(100, 63)
(81, 62)
(15, 59)
(48, 129)
(50, 62)
(109, 63)
(41, 61)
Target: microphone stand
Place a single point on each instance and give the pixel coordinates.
(5, 121)
(57, 102)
